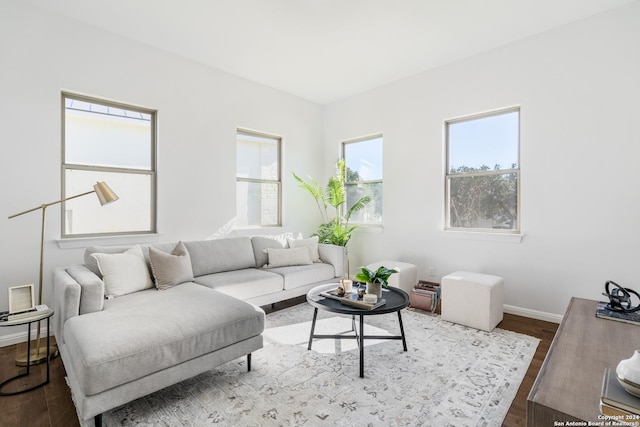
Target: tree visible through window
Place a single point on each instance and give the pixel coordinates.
(363, 159)
(115, 143)
(483, 172)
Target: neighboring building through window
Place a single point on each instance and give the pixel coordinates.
(483, 172)
(258, 179)
(363, 161)
(115, 143)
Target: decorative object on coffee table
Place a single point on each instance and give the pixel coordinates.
(105, 196)
(375, 279)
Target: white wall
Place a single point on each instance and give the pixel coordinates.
(198, 111)
(578, 88)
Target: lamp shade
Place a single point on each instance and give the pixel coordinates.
(104, 193)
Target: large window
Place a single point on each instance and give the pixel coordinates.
(483, 172)
(363, 160)
(258, 182)
(115, 143)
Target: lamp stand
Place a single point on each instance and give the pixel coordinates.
(39, 353)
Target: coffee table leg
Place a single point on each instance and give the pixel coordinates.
(361, 338)
(404, 341)
(313, 327)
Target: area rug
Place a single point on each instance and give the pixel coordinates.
(451, 375)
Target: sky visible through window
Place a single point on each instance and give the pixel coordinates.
(487, 141)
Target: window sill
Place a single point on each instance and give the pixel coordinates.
(128, 239)
(482, 236)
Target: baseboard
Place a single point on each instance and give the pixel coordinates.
(20, 337)
(534, 314)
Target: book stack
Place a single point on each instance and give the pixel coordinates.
(604, 313)
(617, 403)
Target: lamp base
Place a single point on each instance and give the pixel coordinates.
(38, 355)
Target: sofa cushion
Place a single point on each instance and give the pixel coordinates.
(215, 256)
(244, 284)
(124, 273)
(287, 257)
(171, 269)
(302, 275)
(259, 244)
(311, 243)
(173, 326)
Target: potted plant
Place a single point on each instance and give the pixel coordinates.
(375, 279)
(334, 229)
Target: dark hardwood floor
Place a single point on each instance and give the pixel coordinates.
(51, 404)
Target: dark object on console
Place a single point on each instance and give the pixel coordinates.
(620, 298)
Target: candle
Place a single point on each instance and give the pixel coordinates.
(347, 284)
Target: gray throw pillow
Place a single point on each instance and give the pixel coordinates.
(171, 269)
(288, 257)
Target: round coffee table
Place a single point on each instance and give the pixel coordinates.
(396, 300)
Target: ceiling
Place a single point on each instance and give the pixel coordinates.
(325, 50)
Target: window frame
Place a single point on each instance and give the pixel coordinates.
(449, 176)
(365, 182)
(278, 181)
(152, 172)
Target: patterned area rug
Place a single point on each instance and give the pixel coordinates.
(451, 375)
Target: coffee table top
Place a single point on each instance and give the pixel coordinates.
(396, 300)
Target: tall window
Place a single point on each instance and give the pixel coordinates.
(115, 143)
(363, 160)
(483, 172)
(258, 179)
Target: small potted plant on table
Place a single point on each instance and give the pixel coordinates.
(375, 279)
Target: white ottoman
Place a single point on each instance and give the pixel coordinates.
(472, 299)
(406, 278)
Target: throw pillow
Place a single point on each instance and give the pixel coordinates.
(124, 273)
(311, 243)
(288, 257)
(259, 245)
(171, 269)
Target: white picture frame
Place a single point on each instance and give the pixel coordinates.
(21, 298)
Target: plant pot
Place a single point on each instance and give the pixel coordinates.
(375, 289)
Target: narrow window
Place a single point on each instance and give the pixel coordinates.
(483, 172)
(115, 143)
(363, 161)
(258, 179)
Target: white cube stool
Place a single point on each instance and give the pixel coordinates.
(472, 299)
(406, 277)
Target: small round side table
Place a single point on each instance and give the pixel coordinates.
(28, 321)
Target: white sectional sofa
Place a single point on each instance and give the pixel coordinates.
(202, 312)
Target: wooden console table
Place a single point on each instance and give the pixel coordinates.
(569, 383)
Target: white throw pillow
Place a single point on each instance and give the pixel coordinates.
(124, 273)
(288, 257)
(311, 243)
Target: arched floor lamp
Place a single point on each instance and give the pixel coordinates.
(105, 196)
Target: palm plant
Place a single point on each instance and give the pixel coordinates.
(335, 228)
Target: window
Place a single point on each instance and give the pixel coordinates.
(115, 143)
(363, 161)
(258, 182)
(483, 172)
